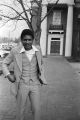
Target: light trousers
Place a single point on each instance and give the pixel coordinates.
(32, 91)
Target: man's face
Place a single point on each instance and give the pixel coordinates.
(27, 42)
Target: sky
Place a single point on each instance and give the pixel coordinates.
(9, 29)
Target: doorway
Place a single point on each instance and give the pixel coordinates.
(55, 42)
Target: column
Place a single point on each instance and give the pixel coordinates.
(69, 29)
(44, 31)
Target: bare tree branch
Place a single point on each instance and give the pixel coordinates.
(11, 18)
(28, 22)
(37, 2)
(50, 10)
(26, 10)
(12, 9)
(19, 14)
(4, 23)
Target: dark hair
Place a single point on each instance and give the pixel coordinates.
(27, 32)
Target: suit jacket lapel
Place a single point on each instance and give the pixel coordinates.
(38, 59)
(19, 60)
(18, 57)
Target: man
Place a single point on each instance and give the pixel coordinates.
(28, 73)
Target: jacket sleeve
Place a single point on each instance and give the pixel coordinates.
(42, 75)
(6, 62)
(40, 54)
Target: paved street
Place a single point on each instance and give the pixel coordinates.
(60, 99)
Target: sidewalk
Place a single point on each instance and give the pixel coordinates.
(76, 66)
(63, 98)
(60, 99)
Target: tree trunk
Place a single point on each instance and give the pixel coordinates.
(37, 36)
(36, 22)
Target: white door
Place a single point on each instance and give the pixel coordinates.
(55, 44)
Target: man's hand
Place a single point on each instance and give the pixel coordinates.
(11, 78)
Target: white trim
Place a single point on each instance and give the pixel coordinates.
(69, 2)
(69, 30)
(61, 36)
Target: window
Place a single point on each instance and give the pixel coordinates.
(56, 17)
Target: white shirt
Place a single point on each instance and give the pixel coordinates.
(29, 53)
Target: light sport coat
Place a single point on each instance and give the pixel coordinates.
(15, 57)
